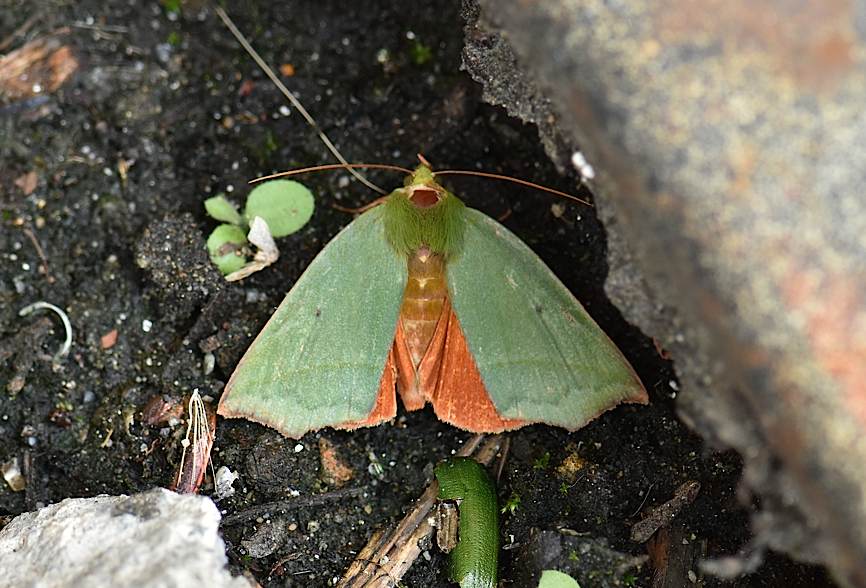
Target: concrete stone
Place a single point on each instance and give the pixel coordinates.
(157, 539)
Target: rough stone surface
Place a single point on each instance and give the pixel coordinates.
(492, 62)
(732, 154)
(154, 539)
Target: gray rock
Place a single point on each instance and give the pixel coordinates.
(154, 539)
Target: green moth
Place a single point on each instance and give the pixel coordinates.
(442, 303)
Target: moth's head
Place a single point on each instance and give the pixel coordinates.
(422, 189)
(423, 214)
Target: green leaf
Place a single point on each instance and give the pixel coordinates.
(555, 579)
(225, 245)
(221, 209)
(285, 205)
(172, 6)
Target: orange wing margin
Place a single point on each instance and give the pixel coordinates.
(449, 379)
(385, 408)
(461, 398)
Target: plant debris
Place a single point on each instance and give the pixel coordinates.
(663, 514)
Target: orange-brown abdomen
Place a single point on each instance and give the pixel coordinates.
(430, 355)
(423, 301)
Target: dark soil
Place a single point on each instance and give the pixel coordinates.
(174, 97)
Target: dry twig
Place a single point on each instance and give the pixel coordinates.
(389, 555)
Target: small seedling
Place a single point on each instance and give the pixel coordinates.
(171, 6)
(542, 462)
(421, 53)
(556, 579)
(273, 209)
(511, 505)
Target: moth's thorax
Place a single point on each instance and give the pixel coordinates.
(423, 213)
(423, 300)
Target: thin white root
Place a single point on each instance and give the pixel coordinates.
(67, 325)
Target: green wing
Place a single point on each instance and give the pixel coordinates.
(540, 355)
(319, 359)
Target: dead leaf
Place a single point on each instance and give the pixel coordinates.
(334, 470)
(267, 253)
(663, 514)
(27, 182)
(571, 467)
(108, 340)
(246, 88)
(41, 66)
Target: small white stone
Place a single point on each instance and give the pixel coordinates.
(146, 325)
(299, 447)
(208, 363)
(583, 167)
(223, 484)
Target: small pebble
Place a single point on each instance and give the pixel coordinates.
(223, 484)
(586, 171)
(12, 475)
(693, 577)
(208, 363)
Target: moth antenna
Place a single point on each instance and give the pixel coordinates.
(459, 172)
(291, 98)
(330, 166)
(360, 209)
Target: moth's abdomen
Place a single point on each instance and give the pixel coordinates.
(423, 301)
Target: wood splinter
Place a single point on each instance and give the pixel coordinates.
(388, 555)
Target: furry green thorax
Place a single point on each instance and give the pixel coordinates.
(423, 213)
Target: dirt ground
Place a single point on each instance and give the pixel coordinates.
(101, 190)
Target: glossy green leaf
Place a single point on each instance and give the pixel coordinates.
(221, 209)
(540, 355)
(555, 579)
(319, 359)
(474, 562)
(284, 204)
(225, 245)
